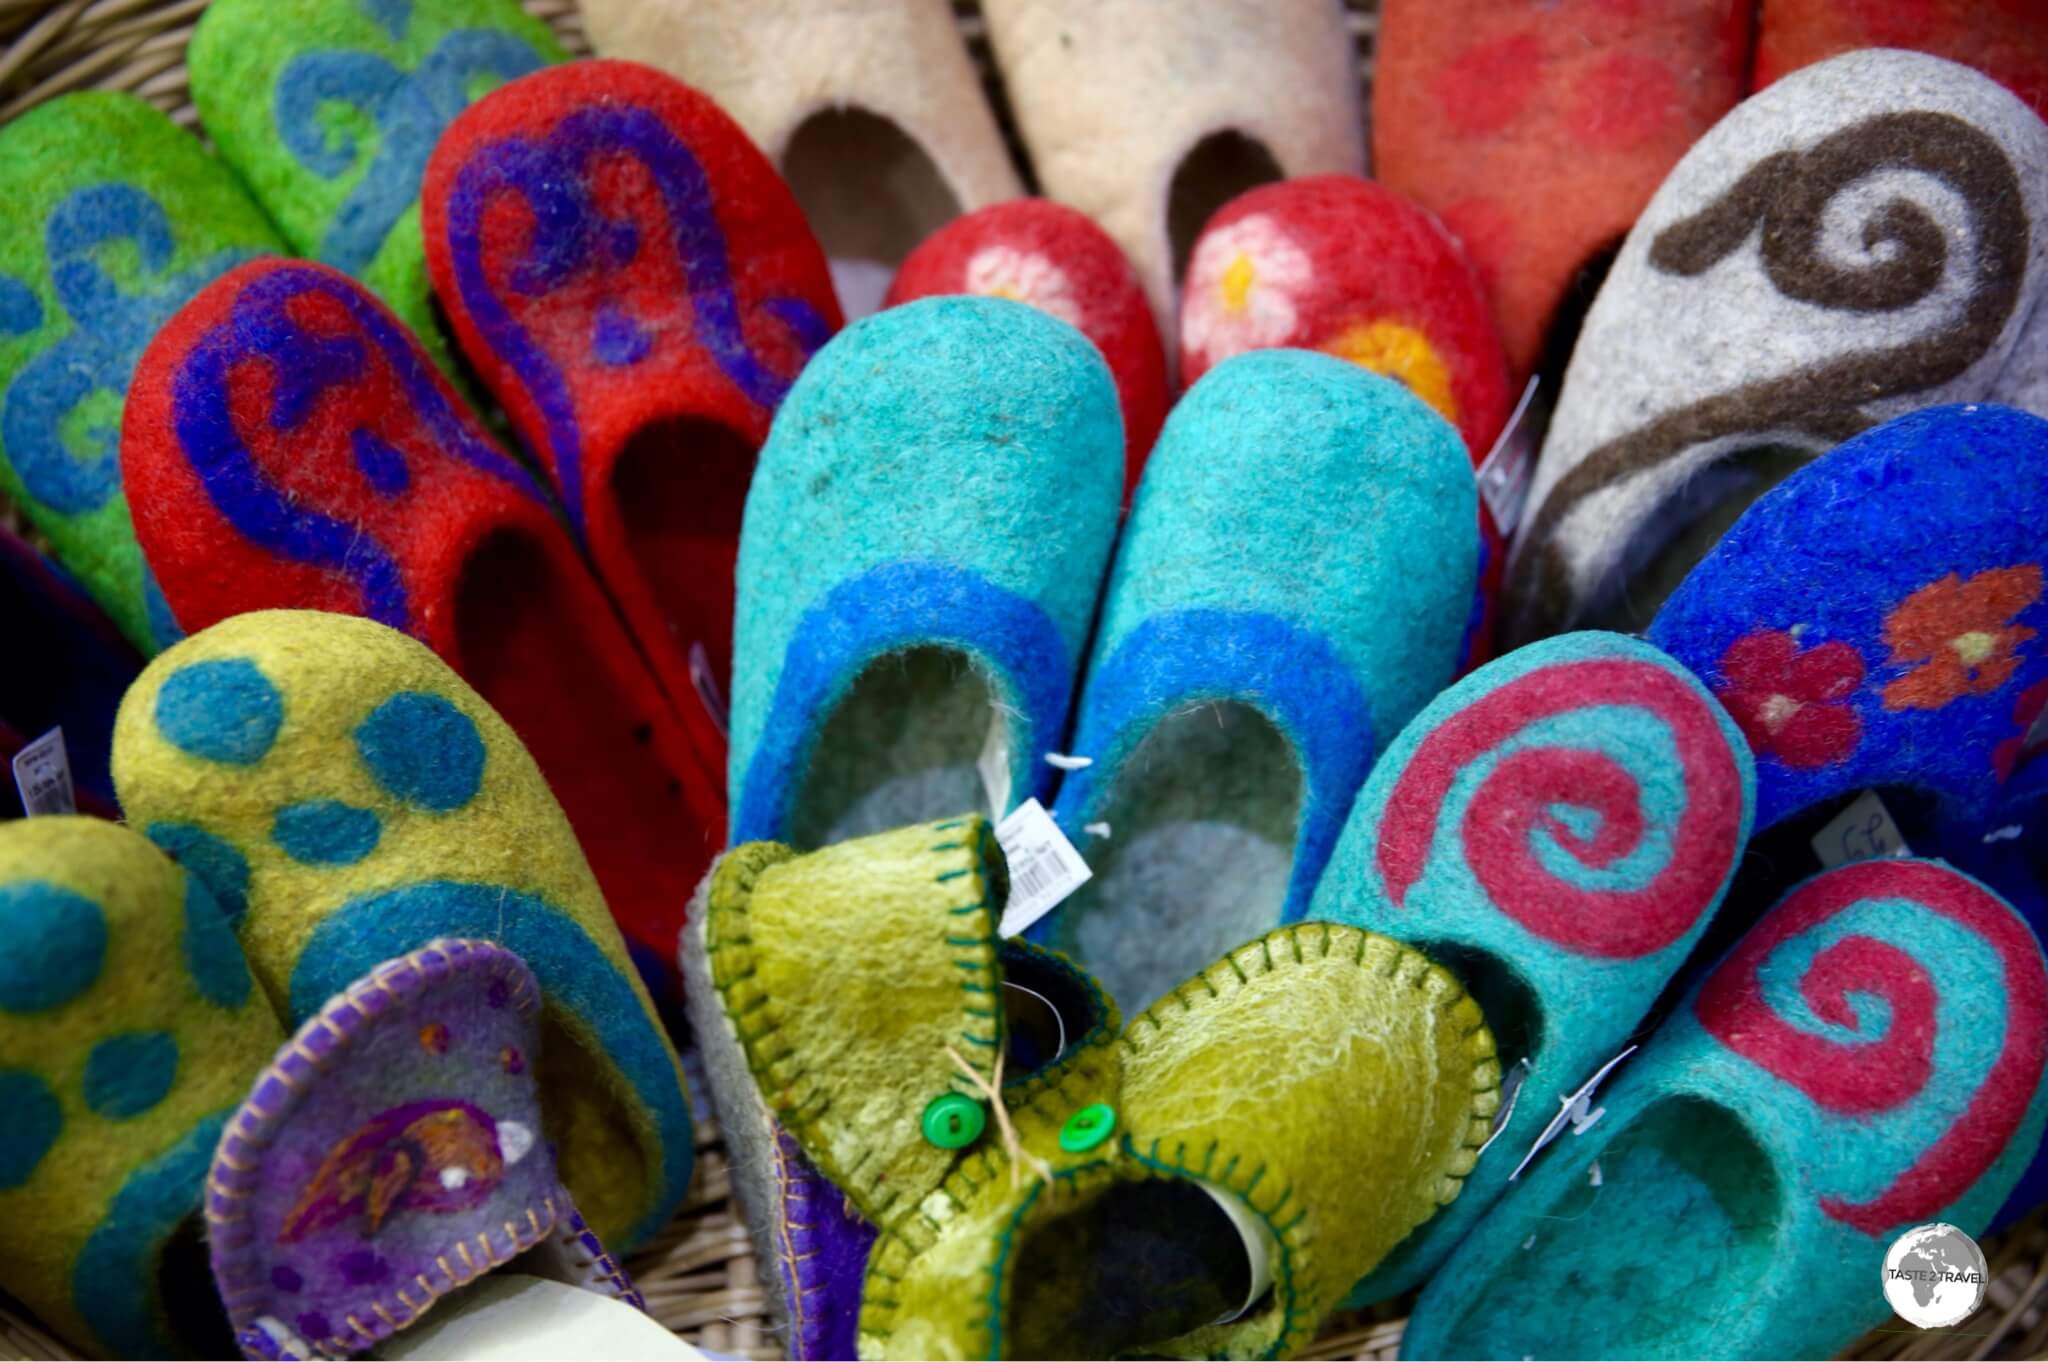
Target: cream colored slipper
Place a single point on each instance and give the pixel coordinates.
(870, 108)
(1149, 115)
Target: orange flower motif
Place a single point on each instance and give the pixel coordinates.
(1962, 632)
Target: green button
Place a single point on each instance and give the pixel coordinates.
(952, 1121)
(1088, 1127)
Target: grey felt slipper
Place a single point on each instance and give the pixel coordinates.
(1856, 242)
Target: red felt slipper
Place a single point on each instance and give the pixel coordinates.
(2005, 39)
(287, 444)
(1340, 264)
(638, 287)
(1056, 259)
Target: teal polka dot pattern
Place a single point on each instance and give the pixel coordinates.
(52, 945)
(423, 750)
(225, 870)
(34, 1120)
(326, 832)
(128, 1074)
(223, 710)
(212, 952)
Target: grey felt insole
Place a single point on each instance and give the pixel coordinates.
(900, 747)
(1202, 826)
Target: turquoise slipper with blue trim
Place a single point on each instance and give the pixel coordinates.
(1292, 587)
(918, 565)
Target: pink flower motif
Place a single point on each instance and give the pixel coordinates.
(1025, 277)
(1792, 705)
(1241, 287)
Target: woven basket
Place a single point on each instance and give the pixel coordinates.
(700, 1277)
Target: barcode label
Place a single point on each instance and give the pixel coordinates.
(42, 772)
(1044, 867)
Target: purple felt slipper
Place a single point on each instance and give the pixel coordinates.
(390, 1155)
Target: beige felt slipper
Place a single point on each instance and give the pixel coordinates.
(1149, 115)
(870, 108)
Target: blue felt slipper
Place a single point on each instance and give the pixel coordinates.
(1292, 586)
(1868, 1059)
(923, 543)
(1556, 829)
(1878, 618)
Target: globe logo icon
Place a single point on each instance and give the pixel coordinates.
(1934, 1276)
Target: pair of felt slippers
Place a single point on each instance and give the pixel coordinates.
(333, 834)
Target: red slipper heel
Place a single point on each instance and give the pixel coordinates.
(638, 287)
(289, 445)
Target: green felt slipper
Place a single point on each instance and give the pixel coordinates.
(130, 1030)
(329, 109)
(111, 218)
(1207, 1180)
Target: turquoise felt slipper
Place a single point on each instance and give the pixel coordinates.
(1293, 585)
(919, 560)
(1868, 1059)
(1556, 829)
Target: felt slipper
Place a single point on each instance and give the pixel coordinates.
(874, 113)
(1149, 117)
(73, 667)
(390, 1155)
(2006, 42)
(1856, 240)
(289, 446)
(1878, 618)
(129, 1028)
(1338, 264)
(328, 110)
(1481, 110)
(918, 571)
(1056, 259)
(1105, 1193)
(1556, 829)
(1868, 1059)
(350, 799)
(1292, 587)
(637, 287)
(114, 218)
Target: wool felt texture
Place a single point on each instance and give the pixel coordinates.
(872, 110)
(1149, 117)
(1557, 829)
(1339, 264)
(1867, 1059)
(1877, 618)
(129, 1029)
(1480, 110)
(114, 217)
(1293, 585)
(637, 287)
(971, 1262)
(72, 667)
(328, 110)
(390, 1155)
(289, 445)
(1056, 259)
(1857, 241)
(2005, 40)
(917, 551)
(350, 799)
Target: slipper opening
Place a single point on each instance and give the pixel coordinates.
(1203, 818)
(185, 1287)
(1684, 1163)
(548, 658)
(681, 488)
(1219, 168)
(900, 747)
(1048, 1012)
(596, 1146)
(1135, 1267)
(1508, 1003)
(871, 194)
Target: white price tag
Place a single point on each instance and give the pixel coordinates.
(42, 772)
(1862, 832)
(1505, 472)
(994, 763)
(1044, 867)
